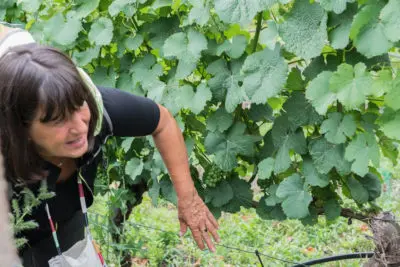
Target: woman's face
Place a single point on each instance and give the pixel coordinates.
(66, 139)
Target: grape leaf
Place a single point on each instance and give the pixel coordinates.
(84, 7)
(388, 147)
(242, 12)
(357, 191)
(85, 57)
(234, 47)
(368, 31)
(243, 196)
(311, 174)
(332, 209)
(118, 6)
(101, 31)
(200, 13)
(219, 121)
(227, 146)
(285, 139)
(226, 83)
(273, 212)
(373, 185)
(296, 198)
(269, 36)
(341, 26)
(390, 123)
(133, 43)
(392, 98)
(30, 6)
(337, 127)
(337, 6)
(265, 74)
(146, 72)
(360, 151)
(319, 94)
(295, 82)
(168, 191)
(63, 32)
(304, 31)
(134, 168)
(178, 97)
(265, 168)
(327, 156)
(320, 64)
(272, 198)
(390, 17)
(104, 77)
(202, 95)
(187, 48)
(383, 83)
(300, 112)
(351, 85)
(219, 195)
(260, 112)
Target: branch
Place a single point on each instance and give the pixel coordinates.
(258, 29)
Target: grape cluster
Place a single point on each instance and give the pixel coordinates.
(213, 175)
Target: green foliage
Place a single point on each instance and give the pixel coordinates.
(300, 95)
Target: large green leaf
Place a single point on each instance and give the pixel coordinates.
(369, 32)
(30, 6)
(337, 127)
(63, 32)
(313, 177)
(327, 156)
(226, 83)
(357, 191)
(390, 17)
(392, 98)
(118, 6)
(351, 85)
(84, 7)
(272, 198)
(269, 36)
(286, 140)
(234, 48)
(227, 146)
(134, 168)
(243, 196)
(200, 12)
(101, 31)
(265, 74)
(304, 30)
(242, 12)
(373, 184)
(219, 121)
(200, 98)
(360, 151)
(337, 6)
(265, 168)
(300, 112)
(341, 26)
(319, 94)
(219, 195)
(296, 198)
(390, 123)
(187, 48)
(332, 209)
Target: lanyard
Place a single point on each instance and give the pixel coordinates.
(84, 211)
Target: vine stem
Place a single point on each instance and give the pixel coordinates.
(258, 30)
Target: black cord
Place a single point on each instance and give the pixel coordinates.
(359, 255)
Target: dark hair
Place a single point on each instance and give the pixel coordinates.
(33, 76)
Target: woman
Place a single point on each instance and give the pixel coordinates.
(48, 121)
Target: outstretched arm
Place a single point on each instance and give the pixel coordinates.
(192, 211)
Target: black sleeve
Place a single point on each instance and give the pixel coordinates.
(130, 115)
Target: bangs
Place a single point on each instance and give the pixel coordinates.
(61, 96)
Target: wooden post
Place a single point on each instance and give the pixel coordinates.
(8, 252)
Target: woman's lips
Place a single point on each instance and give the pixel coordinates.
(77, 143)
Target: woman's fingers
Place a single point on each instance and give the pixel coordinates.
(213, 231)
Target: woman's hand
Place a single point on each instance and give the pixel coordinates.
(193, 213)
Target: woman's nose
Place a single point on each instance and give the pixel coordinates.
(77, 124)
